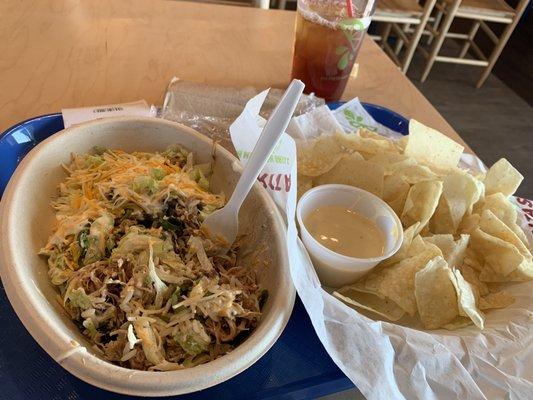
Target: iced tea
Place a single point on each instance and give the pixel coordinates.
(325, 48)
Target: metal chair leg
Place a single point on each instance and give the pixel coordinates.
(450, 14)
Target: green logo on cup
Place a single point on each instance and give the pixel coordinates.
(353, 24)
(344, 52)
(350, 28)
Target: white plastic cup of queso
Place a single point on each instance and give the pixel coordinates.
(336, 269)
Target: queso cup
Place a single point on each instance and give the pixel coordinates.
(335, 269)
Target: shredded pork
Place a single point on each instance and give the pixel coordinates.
(133, 268)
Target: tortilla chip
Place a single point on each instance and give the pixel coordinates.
(441, 221)
(430, 146)
(386, 159)
(459, 194)
(506, 211)
(397, 282)
(461, 191)
(453, 251)
(365, 144)
(473, 260)
(318, 156)
(420, 245)
(417, 246)
(408, 235)
(469, 224)
(496, 300)
(421, 203)
(397, 205)
(503, 178)
(304, 184)
(370, 302)
(492, 225)
(355, 172)
(435, 294)
(395, 191)
(523, 273)
(368, 134)
(472, 277)
(501, 257)
(401, 144)
(446, 171)
(467, 300)
(394, 187)
(411, 172)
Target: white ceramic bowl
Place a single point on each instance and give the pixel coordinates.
(27, 221)
(335, 269)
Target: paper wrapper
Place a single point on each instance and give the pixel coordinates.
(278, 176)
(210, 109)
(389, 361)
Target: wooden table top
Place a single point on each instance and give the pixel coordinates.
(67, 53)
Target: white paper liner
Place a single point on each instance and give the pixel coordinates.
(389, 361)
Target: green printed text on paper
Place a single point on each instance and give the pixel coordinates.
(274, 158)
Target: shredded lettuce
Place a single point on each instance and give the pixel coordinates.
(157, 174)
(177, 154)
(198, 176)
(135, 241)
(98, 150)
(144, 185)
(195, 340)
(78, 298)
(75, 251)
(93, 161)
(59, 276)
(206, 210)
(159, 285)
(171, 224)
(191, 345)
(197, 247)
(92, 252)
(94, 243)
(132, 339)
(89, 325)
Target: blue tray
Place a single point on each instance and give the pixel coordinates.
(296, 367)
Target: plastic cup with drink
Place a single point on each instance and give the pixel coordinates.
(328, 36)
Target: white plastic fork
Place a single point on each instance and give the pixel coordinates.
(223, 224)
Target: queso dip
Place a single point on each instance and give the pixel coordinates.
(345, 232)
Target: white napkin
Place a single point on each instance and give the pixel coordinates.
(278, 176)
(314, 123)
(352, 116)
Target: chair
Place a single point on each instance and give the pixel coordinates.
(282, 4)
(480, 12)
(406, 13)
